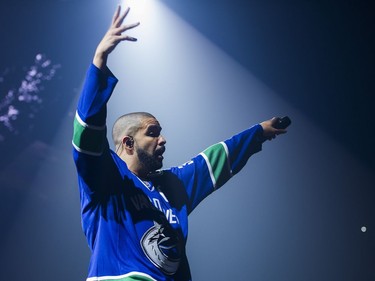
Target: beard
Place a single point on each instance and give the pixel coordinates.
(149, 162)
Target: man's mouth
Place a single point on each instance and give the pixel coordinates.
(159, 153)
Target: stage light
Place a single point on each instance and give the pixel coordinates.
(140, 9)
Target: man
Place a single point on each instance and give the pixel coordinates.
(134, 215)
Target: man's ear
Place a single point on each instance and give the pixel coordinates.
(128, 141)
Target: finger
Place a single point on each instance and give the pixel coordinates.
(116, 14)
(127, 27)
(126, 12)
(132, 39)
(274, 120)
(121, 18)
(280, 131)
(127, 38)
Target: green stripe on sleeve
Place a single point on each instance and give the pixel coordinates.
(88, 139)
(218, 162)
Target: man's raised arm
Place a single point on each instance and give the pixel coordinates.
(90, 120)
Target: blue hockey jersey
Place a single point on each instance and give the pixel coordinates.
(137, 230)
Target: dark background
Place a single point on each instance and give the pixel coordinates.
(317, 55)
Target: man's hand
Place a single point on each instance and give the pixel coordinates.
(269, 131)
(112, 38)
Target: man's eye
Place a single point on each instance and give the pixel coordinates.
(154, 131)
(153, 134)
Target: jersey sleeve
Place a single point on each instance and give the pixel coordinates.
(214, 166)
(91, 150)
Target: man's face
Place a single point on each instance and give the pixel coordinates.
(149, 145)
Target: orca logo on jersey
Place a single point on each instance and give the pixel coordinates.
(162, 247)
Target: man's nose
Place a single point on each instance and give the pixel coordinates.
(162, 140)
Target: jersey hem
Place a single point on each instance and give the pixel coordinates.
(139, 276)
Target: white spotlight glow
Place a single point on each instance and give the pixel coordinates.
(141, 10)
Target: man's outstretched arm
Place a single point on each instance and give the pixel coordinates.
(243, 145)
(214, 166)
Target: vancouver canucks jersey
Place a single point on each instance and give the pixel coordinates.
(137, 230)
